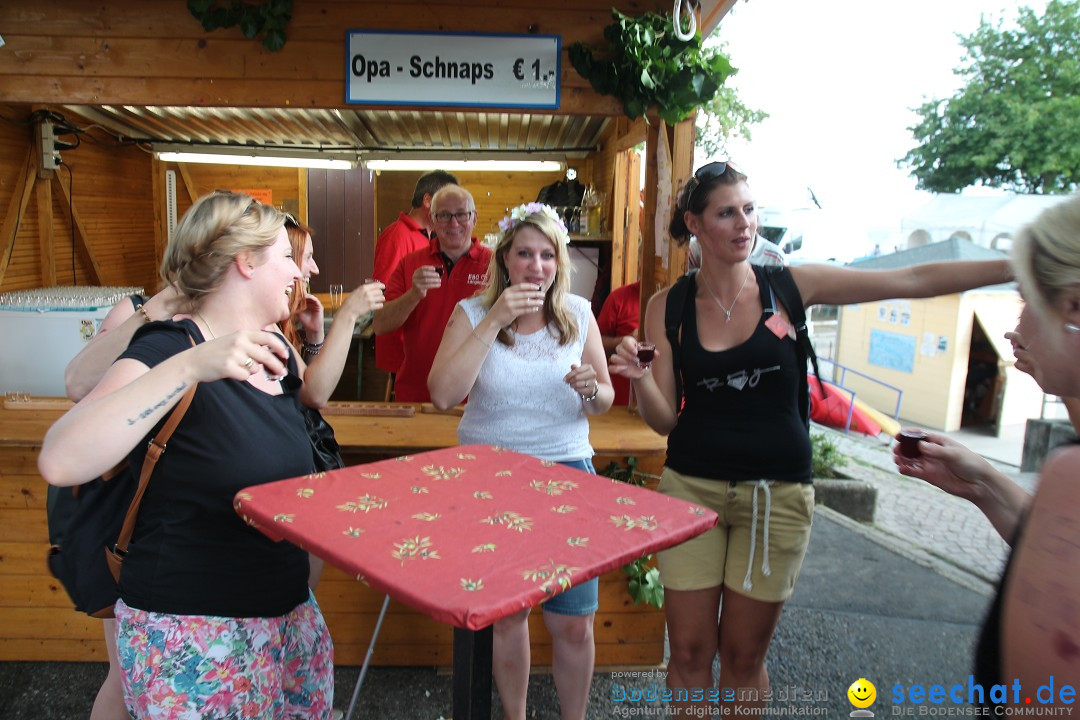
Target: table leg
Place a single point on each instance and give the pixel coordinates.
(472, 674)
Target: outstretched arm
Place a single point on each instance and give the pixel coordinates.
(958, 471)
(830, 285)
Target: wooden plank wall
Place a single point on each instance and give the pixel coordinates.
(66, 51)
(112, 198)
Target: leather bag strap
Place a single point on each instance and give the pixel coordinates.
(115, 557)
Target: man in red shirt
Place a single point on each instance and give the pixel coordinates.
(619, 317)
(409, 233)
(428, 283)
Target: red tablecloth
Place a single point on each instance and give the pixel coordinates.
(470, 534)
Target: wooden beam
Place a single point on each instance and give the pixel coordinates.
(189, 184)
(157, 193)
(16, 208)
(634, 136)
(82, 241)
(45, 233)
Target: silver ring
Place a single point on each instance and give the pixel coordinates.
(248, 364)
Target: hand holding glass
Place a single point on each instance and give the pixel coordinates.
(646, 351)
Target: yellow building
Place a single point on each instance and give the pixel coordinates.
(947, 355)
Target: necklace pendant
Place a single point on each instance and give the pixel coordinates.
(727, 315)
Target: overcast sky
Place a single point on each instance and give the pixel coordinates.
(839, 79)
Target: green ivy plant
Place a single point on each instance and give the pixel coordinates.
(645, 64)
(269, 17)
(643, 580)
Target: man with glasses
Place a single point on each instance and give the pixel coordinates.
(426, 285)
(410, 232)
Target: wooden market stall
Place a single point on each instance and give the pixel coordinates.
(127, 74)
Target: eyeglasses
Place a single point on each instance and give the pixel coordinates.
(444, 218)
(706, 173)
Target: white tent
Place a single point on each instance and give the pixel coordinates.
(983, 220)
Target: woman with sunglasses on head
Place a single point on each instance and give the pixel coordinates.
(1030, 633)
(529, 356)
(739, 444)
(214, 619)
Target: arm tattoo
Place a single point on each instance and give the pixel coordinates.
(160, 404)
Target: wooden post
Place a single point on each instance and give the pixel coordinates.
(45, 232)
(682, 168)
(648, 235)
(161, 233)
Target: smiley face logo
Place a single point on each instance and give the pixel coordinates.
(862, 693)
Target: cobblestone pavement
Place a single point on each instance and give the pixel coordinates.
(923, 519)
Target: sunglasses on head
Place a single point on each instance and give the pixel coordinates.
(290, 221)
(706, 173)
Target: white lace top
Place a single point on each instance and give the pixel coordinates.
(520, 401)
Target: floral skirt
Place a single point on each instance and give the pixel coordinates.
(181, 667)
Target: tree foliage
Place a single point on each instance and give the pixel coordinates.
(1016, 122)
(723, 119)
(646, 65)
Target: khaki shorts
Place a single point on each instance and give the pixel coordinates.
(722, 555)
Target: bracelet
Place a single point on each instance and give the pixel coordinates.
(142, 311)
(312, 348)
(595, 392)
(480, 339)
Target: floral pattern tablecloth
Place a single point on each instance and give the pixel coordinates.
(470, 534)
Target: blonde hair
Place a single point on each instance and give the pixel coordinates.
(211, 235)
(555, 310)
(1046, 254)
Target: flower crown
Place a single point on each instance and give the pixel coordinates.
(521, 212)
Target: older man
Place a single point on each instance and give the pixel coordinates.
(410, 232)
(428, 283)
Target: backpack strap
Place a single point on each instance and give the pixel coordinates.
(783, 284)
(114, 556)
(674, 312)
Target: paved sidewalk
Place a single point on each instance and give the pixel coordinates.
(927, 522)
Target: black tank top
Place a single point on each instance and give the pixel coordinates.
(741, 417)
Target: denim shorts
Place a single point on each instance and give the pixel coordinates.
(581, 599)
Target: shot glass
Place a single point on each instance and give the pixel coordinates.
(646, 351)
(909, 443)
(335, 296)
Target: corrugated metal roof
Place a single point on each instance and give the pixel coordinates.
(359, 130)
(952, 249)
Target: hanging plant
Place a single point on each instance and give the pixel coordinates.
(642, 578)
(269, 18)
(645, 64)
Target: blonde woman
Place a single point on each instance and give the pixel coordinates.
(214, 620)
(529, 356)
(1031, 633)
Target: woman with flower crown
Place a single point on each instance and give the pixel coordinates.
(529, 357)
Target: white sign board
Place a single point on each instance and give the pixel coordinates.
(470, 69)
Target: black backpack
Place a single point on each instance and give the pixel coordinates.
(787, 293)
(84, 522)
